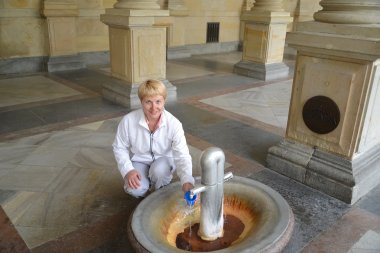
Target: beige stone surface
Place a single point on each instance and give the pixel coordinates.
(184, 28)
(92, 35)
(370, 135)
(349, 12)
(62, 36)
(90, 4)
(339, 61)
(24, 90)
(264, 43)
(15, 4)
(264, 36)
(134, 57)
(341, 40)
(141, 4)
(342, 80)
(15, 41)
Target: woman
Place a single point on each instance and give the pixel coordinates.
(150, 144)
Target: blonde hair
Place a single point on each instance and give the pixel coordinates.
(151, 88)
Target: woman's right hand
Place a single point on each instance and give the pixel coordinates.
(133, 179)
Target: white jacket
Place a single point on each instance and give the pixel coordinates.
(135, 142)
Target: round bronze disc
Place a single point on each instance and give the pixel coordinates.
(321, 114)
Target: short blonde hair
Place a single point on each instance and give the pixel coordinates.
(151, 88)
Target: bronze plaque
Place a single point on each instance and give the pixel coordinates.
(321, 114)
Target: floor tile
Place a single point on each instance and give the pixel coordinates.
(348, 233)
(267, 103)
(20, 90)
(313, 211)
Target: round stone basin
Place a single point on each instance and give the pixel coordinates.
(160, 217)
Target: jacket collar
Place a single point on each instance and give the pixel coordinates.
(142, 121)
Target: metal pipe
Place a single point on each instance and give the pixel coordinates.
(212, 179)
(202, 188)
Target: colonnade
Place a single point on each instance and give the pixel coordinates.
(332, 142)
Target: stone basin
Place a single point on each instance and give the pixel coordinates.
(161, 216)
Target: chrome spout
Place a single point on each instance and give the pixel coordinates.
(203, 188)
(212, 179)
(228, 176)
(197, 190)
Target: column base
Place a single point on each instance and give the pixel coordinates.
(262, 71)
(347, 180)
(125, 93)
(63, 63)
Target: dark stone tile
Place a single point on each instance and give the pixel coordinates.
(73, 110)
(314, 212)
(6, 194)
(207, 64)
(370, 202)
(90, 79)
(12, 121)
(209, 84)
(240, 139)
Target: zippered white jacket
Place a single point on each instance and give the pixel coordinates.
(135, 142)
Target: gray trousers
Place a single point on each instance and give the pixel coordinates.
(153, 176)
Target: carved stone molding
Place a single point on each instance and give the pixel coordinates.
(349, 12)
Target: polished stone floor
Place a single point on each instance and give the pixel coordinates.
(60, 190)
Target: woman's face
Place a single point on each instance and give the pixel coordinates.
(153, 106)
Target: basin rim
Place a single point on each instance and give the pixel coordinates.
(274, 242)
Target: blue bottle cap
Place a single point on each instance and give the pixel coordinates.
(190, 201)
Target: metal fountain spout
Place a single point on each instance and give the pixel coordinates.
(212, 179)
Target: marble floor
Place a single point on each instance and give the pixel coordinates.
(60, 190)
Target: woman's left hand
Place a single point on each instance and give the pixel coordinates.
(187, 187)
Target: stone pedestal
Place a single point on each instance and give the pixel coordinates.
(137, 51)
(63, 54)
(263, 43)
(332, 140)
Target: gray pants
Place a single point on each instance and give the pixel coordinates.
(154, 175)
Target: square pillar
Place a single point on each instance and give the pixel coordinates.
(332, 141)
(61, 21)
(137, 51)
(263, 45)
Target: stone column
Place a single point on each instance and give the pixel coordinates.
(332, 140)
(304, 11)
(63, 54)
(177, 30)
(264, 41)
(247, 5)
(137, 49)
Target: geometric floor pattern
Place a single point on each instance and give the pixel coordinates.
(60, 190)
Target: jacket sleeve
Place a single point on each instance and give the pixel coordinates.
(121, 148)
(181, 156)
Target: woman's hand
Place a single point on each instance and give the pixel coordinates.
(187, 187)
(133, 179)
